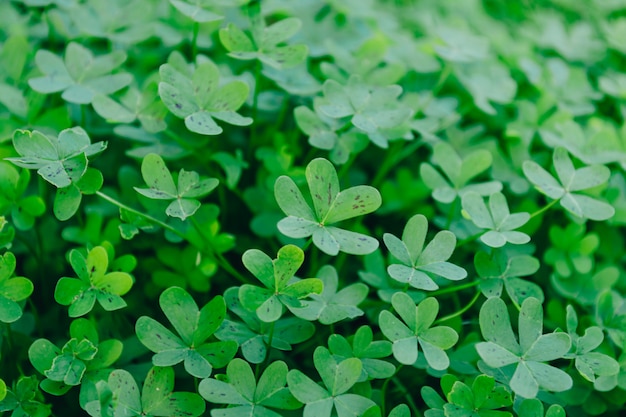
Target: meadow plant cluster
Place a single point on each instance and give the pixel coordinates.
(350, 208)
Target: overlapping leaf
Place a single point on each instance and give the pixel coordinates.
(417, 261)
(330, 205)
(12, 289)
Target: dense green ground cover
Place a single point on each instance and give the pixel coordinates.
(312, 208)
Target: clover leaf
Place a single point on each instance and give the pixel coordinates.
(80, 75)
(23, 209)
(25, 399)
(196, 10)
(502, 269)
(330, 206)
(60, 160)
(570, 180)
(338, 378)
(459, 172)
(530, 354)
(610, 315)
(184, 193)
(415, 329)
(376, 111)
(267, 43)
(365, 348)
(482, 399)
(572, 250)
(276, 275)
(532, 407)
(12, 290)
(246, 396)
(81, 359)
(332, 306)
(417, 261)
(194, 326)
(93, 283)
(157, 397)
(198, 97)
(497, 218)
(588, 363)
(255, 336)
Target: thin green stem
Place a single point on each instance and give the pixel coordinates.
(545, 208)
(456, 288)
(383, 391)
(194, 41)
(469, 239)
(255, 110)
(139, 213)
(461, 311)
(270, 339)
(407, 396)
(388, 163)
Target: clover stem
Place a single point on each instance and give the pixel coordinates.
(194, 40)
(453, 208)
(9, 337)
(407, 396)
(139, 213)
(545, 208)
(383, 390)
(270, 338)
(455, 288)
(469, 239)
(255, 109)
(461, 311)
(83, 116)
(388, 163)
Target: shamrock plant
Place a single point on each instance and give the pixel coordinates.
(248, 397)
(330, 205)
(93, 283)
(121, 396)
(459, 172)
(194, 326)
(417, 261)
(184, 193)
(415, 329)
(482, 399)
(197, 96)
(13, 290)
(526, 359)
(81, 76)
(22, 209)
(338, 378)
(269, 302)
(497, 218)
(25, 399)
(570, 180)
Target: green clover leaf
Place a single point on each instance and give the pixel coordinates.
(482, 399)
(588, 363)
(184, 193)
(415, 329)
(253, 335)
(80, 75)
(12, 290)
(157, 397)
(93, 283)
(417, 261)
(332, 306)
(497, 218)
(246, 396)
(459, 172)
(59, 160)
(610, 316)
(197, 10)
(533, 407)
(330, 206)
(572, 250)
(24, 399)
(267, 43)
(277, 276)
(487, 82)
(198, 97)
(570, 180)
(194, 326)
(503, 269)
(530, 354)
(375, 111)
(367, 350)
(338, 378)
